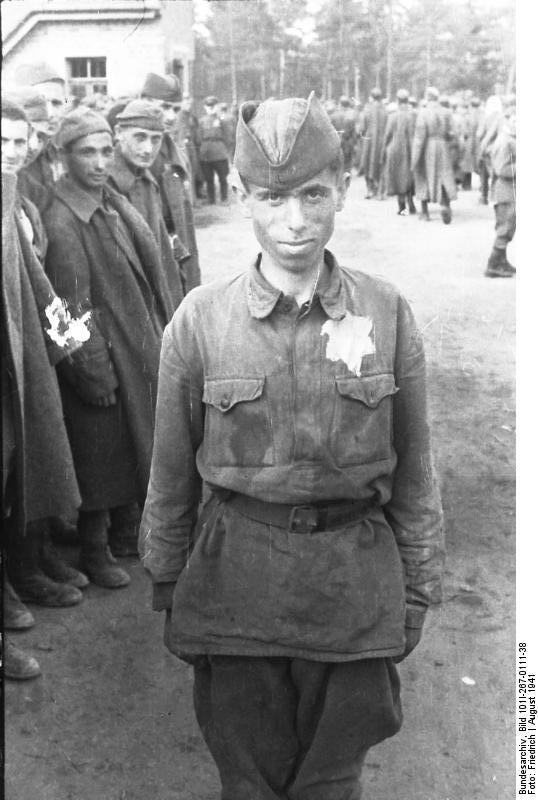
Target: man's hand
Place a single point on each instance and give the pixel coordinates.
(105, 401)
(412, 638)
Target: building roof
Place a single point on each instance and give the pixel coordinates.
(20, 17)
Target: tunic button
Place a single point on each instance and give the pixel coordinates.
(225, 402)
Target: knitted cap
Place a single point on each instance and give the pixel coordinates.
(282, 143)
(142, 114)
(81, 123)
(40, 72)
(162, 87)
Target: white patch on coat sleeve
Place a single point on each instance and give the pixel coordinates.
(349, 340)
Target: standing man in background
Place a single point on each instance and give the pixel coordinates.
(171, 169)
(430, 159)
(214, 148)
(372, 131)
(398, 144)
(503, 193)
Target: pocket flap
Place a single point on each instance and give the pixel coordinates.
(225, 394)
(369, 390)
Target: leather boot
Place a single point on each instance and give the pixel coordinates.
(123, 533)
(54, 567)
(29, 580)
(16, 616)
(498, 266)
(411, 204)
(401, 206)
(424, 213)
(18, 665)
(96, 560)
(446, 214)
(63, 532)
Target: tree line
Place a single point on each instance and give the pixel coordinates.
(259, 48)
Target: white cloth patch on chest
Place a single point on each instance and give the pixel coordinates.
(349, 340)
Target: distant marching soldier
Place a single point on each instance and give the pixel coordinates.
(398, 143)
(372, 130)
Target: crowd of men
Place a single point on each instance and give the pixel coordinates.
(428, 150)
(99, 249)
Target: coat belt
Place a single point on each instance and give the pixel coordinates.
(313, 518)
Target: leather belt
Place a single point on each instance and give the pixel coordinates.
(301, 518)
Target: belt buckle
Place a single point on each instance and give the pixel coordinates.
(303, 519)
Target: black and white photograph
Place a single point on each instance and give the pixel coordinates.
(259, 282)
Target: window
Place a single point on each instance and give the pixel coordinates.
(87, 76)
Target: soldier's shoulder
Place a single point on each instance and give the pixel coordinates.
(218, 294)
(368, 284)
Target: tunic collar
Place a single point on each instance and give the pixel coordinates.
(82, 204)
(262, 296)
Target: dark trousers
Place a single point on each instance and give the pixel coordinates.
(505, 224)
(209, 168)
(291, 729)
(484, 182)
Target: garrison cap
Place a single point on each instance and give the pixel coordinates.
(162, 87)
(79, 123)
(33, 103)
(282, 143)
(402, 95)
(39, 72)
(12, 108)
(141, 114)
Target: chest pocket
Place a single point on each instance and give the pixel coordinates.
(237, 429)
(362, 431)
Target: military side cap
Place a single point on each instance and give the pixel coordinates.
(141, 114)
(81, 123)
(12, 107)
(32, 74)
(282, 143)
(162, 87)
(34, 103)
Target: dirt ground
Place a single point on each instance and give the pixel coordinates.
(111, 718)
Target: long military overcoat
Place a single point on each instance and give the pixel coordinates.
(430, 159)
(372, 129)
(108, 263)
(170, 171)
(33, 427)
(398, 143)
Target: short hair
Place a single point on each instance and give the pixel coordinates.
(12, 110)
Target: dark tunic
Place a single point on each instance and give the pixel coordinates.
(34, 440)
(103, 257)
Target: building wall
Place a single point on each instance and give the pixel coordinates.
(131, 50)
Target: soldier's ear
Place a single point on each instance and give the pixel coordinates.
(342, 187)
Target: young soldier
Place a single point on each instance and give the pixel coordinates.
(171, 168)
(139, 132)
(47, 167)
(103, 259)
(503, 193)
(297, 393)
